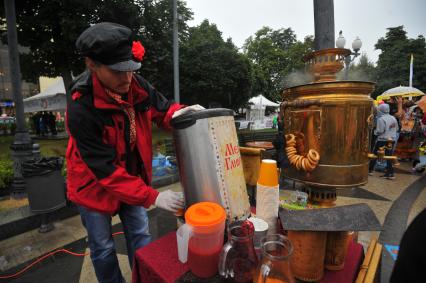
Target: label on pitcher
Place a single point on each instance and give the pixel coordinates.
(229, 167)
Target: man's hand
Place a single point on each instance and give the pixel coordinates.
(169, 200)
(192, 108)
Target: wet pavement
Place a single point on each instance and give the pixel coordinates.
(395, 203)
(17, 252)
(395, 222)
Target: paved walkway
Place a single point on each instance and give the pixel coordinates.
(19, 251)
(395, 203)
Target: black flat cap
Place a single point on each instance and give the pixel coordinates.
(109, 44)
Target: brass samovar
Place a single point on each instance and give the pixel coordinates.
(326, 126)
(330, 118)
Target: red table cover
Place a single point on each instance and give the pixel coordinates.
(158, 262)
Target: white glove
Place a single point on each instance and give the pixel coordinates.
(169, 200)
(192, 108)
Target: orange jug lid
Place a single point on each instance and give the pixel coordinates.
(203, 214)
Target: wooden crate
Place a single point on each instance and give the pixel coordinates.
(368, 270)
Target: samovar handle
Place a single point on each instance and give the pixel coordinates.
(370, 120)
(300, 103)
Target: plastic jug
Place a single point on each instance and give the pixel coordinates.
(200, 239)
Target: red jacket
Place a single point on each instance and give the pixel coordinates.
(98, 154)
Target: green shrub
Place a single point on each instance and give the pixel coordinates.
(64, 169)
(12, 128)
(60, 126)
(6, 173)
(3, 129)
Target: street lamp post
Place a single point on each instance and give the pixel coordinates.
(175, 52)
(356, 46)
(22, 145)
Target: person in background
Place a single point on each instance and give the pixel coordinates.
(396, 107)
(422, 157)
(44, 122)
(386, 129)
(36, 121)
(373, 137)
(109, 156)
(279, 145)
(274, 122)
(52, 123)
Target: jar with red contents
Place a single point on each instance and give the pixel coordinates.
(207, 223)
(238, 259)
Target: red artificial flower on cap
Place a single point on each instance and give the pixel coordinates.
(76, 95)
(138, 50)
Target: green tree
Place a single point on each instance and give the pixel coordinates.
(212, 70)
(157, 37)
(393, 66)
(417, 47)
(276, 54)
(364, 70)
(49, 28)
(294, 73)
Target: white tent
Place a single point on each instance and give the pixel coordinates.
(51, 99)
(256, 111)
(260, 101)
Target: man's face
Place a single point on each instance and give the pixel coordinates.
(116, 81)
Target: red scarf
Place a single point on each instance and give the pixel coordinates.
(129, 110)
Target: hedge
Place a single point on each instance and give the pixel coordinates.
(6, 173)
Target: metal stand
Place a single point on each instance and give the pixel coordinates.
(36, 151)
(348, 60)
(325, 197)
(22, 145)
(45, 226)
(21, 151)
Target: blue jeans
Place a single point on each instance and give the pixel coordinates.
(102, 248)
(422, 163)
(389, 167)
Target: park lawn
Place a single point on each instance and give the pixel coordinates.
(58, 147)
(5, 142)
(47, 147)
(54, 148)
(158, 137)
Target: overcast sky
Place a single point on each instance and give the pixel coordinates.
(367, 19)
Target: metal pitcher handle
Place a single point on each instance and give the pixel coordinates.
(223, 271)
(264, 271)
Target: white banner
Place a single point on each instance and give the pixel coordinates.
(51, 103)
